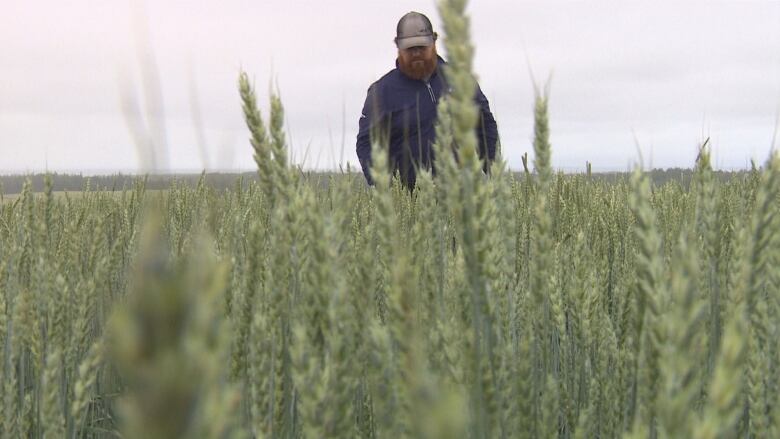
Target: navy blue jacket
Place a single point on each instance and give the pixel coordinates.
(404, 110)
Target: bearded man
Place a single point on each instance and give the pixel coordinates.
(402, 105)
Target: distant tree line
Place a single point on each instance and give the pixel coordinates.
(12, 184)
(659, 177)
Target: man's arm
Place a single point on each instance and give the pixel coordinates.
(366, 125)
(487, 130)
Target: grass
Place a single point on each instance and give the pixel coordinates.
(62, 195)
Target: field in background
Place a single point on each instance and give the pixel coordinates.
(64, 195)
(12, 184)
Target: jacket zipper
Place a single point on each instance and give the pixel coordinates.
(430, 92)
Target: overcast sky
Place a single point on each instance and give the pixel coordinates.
(666, 73)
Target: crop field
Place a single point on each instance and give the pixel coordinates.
(66, 196)
(533, 305)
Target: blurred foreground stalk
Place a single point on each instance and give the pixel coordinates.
(169, 345)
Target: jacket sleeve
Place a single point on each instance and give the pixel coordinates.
(487, 129)
(366, 125)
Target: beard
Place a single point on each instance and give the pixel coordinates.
(418, 68)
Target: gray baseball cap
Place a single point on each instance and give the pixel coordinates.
(414, 29)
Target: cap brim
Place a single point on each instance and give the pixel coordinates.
(405, 43)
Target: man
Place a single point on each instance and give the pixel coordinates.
(402, 105)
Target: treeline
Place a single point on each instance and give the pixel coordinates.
(659, 177)
(12, 184)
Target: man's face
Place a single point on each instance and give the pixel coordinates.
(418, 62)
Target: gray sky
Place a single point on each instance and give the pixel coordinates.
(669, 73)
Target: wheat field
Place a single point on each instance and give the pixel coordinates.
(538, 305)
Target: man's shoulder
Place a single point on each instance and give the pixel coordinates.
(388, 78)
